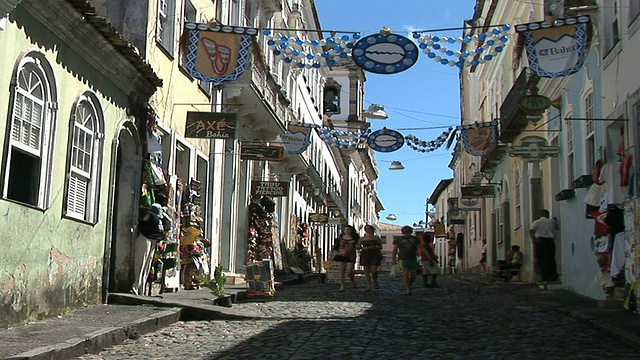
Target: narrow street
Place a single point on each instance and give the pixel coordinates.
(459, 320)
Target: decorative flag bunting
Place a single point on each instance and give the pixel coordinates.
(218, 53)
(479, 138)
(343, 139)
(296, 138)
(557, 48)
(428, 146)
(387, 53)
(487, 46)
(301, 53)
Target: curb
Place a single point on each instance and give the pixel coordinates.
(100, 339)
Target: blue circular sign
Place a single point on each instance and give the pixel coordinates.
(385, 54)
(385, 140)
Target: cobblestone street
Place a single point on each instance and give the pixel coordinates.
(460, 320)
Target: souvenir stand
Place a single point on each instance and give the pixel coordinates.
(194, 259)
(260, 267)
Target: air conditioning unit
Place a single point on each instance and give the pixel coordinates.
(565, 194)
(582, 181)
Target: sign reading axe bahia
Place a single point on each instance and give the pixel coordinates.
(210, 125)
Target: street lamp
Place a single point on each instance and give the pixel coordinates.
(375, 112)
(392, 217)
(396, 165)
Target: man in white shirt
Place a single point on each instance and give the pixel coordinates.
(542, 235)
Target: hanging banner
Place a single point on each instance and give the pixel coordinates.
(296, 139)
(557, 48)
(210, 125)
(480, 138)
(217, 54)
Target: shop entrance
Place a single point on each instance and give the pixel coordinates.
(124, 214)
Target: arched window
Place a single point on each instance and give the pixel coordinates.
(28, 169)
(332, 99)
(85, 156)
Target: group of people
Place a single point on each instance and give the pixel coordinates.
(408, 251)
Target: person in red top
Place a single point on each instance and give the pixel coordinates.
(429, 260)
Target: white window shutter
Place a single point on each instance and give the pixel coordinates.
(77, 197)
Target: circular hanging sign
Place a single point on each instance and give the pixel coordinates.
(385, 54)
(385, 140)
(534, 103)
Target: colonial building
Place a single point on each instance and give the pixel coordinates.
(75, 96)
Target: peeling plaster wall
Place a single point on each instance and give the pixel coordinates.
(50, 264)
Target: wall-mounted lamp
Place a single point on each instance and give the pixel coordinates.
(419, 224)
(375, 112)
(396, 165)
(488, 174)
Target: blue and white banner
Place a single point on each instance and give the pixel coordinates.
(479, 138)
(296, 139)
(219, 53)
(557, 48)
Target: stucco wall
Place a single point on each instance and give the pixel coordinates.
(48, 263)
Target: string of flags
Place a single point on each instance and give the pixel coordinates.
(478, 138)
(220, 53)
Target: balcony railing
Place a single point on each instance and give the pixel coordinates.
(512, 119)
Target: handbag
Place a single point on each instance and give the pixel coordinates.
(396, 270)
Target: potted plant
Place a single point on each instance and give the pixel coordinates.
(216, 285)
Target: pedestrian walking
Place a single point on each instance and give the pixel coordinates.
(542, 233)
(370, 247)
(345, 245)
(405, 250)
(429, 260)
(483, 256)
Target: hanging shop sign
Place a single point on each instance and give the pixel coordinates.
(296, 138)
(534, 104)
(385, 140)
(269, 188)
(210, 125)
(319, 218)
(533, 149)
(217, 53)
(385, 53)
(261, 152)
(557, 48)
(477, 191)
(469, 204)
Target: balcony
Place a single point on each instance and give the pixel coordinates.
(512, 119)
(265, 102)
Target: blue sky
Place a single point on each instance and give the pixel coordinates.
(426, 95)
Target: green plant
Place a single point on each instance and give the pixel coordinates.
(216, 283)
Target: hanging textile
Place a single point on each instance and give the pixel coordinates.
(557, 48)
(219, 53)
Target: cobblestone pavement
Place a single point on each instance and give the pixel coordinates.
(460, 320)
